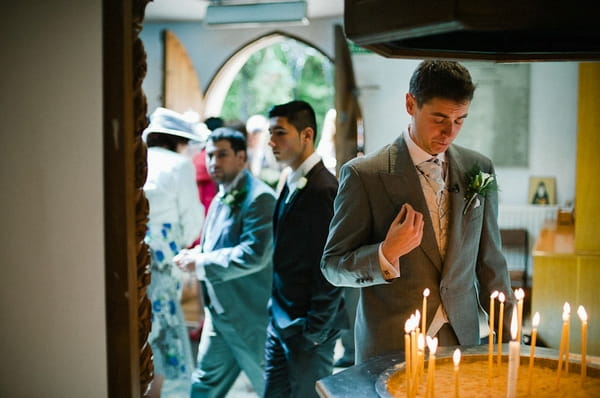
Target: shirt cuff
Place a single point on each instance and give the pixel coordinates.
(389, 270)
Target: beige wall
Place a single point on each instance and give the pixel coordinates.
(52, 317)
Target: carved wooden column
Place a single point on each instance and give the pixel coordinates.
(128, 312)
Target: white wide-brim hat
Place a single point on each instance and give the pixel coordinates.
(167, 121)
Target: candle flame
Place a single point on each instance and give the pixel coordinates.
(519, 294)
(421, 342)
(432, 343)
(565, 316)
(417, 318)
(513, 325)
(426, 292)
(494, 294)
(407, 326)
(536, 320)
(501, 297)
(582, 314)
(456, 357)
(567, 308)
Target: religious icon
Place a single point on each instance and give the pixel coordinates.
(542, 191)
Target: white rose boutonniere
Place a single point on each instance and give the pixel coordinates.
(234, 198)
(301, 183)
(478, 183)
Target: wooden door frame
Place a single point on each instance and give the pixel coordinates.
(128, 312)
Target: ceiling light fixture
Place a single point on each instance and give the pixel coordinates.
(251, 14)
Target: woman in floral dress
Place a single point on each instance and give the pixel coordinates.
(175, 221)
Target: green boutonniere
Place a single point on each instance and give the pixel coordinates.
(478, 183)
(233, 198)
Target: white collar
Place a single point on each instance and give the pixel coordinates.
(305, 167)
(417, 154)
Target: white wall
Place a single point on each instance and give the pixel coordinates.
(209, 48)
(52, 314)
(383, 83)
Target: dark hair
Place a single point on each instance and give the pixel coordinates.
(165, 140)
(214, 122)
(442, 79)
(298, 113)
(235, 138)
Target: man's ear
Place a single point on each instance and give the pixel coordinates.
(309, 134)
(411, 104)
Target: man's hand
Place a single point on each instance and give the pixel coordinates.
(185, 260)
(404, 234)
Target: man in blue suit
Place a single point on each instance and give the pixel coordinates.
(307, 312)
(401, 224)
(234, 263)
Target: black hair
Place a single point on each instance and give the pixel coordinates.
(441, 79)
(168, 141)
(235, 138)
(214, 122)
(298, 113)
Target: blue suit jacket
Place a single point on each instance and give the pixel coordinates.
(303, 303)
(372, 191)
(237, 256)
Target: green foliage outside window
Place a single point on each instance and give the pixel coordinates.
(280, 73)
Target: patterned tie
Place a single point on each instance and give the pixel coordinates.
(433, 172)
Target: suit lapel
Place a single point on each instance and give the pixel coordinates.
(296, 195)
(456, 223)
(402, 185)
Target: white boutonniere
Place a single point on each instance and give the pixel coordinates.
(233, 198)
(479, 183)
(301, 183)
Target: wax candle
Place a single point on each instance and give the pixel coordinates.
(420, 356)
(424, 315)
(583, 316)
(501, 299)
(568, 339)
(519, 295)
(514, 358)
(534, 324)
(407, 351)
(563, 341)
(432, 343)
(491, 336)
(413, 354)
(456, 360)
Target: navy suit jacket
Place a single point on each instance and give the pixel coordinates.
(303, 302)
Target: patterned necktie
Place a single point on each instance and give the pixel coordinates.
(433, 172)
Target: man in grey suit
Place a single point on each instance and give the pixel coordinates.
(401, 224)
(234, 263)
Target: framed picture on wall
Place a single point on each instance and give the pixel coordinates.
(542, 190)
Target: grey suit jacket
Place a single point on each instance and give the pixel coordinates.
(372, 190)
(237, 249)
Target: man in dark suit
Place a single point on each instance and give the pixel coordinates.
(234, 263)
(306, 312)
(401, 224)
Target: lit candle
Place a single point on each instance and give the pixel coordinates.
(564, 345)
(514, 358)
(424, 318)
(519, 295)
(568, 339)
(501, 299)
(583, 316)
(534, 323)
(407, 351)
(491, 336)
(456, 360)
(413, 353)
(430, 389)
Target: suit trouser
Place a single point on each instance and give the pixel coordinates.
(222, 354)
(291, 370)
